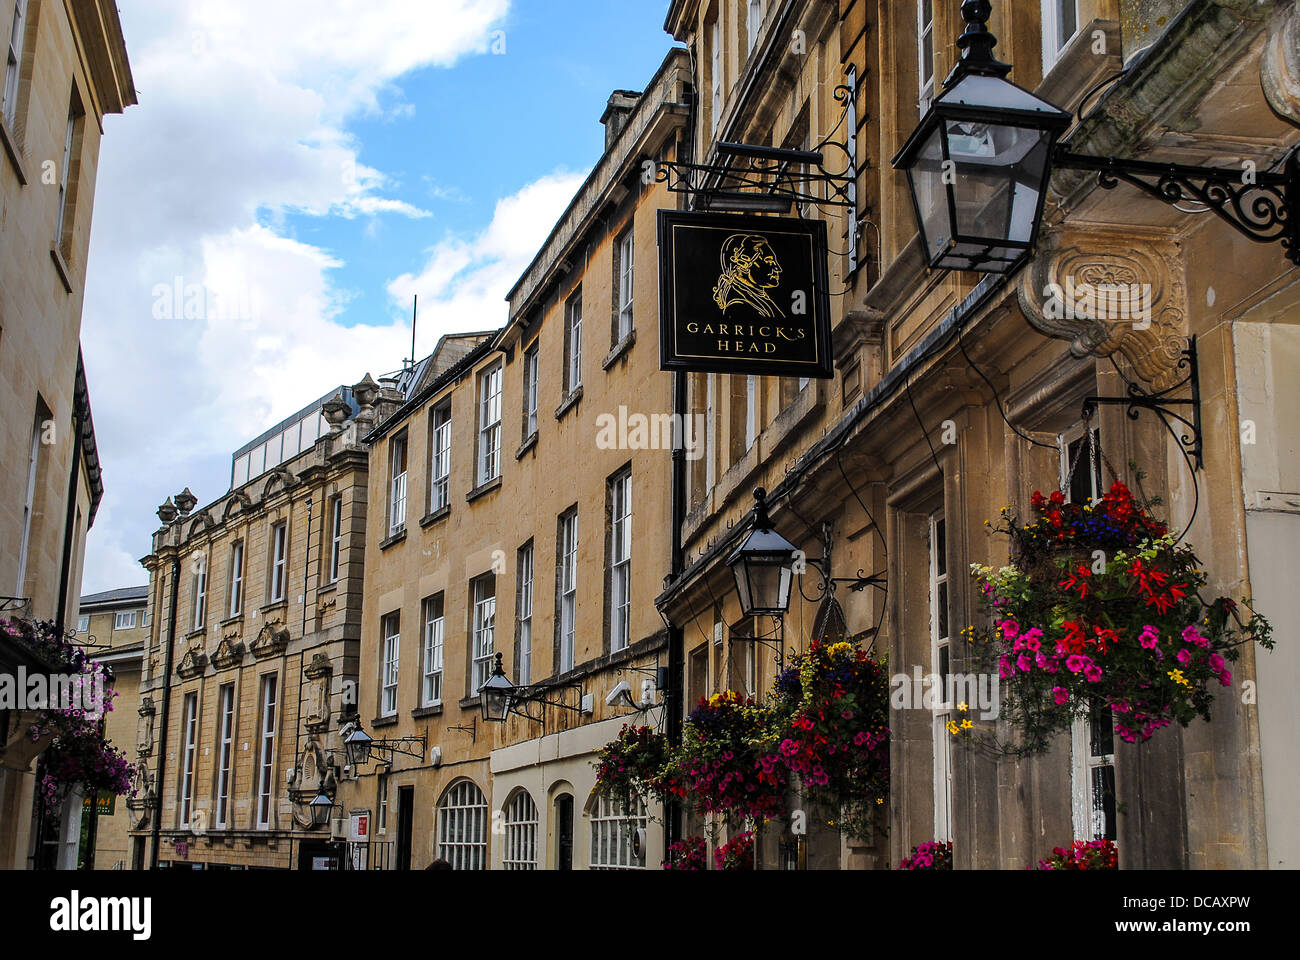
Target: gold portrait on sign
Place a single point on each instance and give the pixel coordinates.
(749, 270)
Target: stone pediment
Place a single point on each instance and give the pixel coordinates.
(229, 653)
(192, 663)
(272, 640)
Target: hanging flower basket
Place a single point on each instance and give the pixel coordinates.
(689, 854)
(736, 854)
(931, 855)
(719, 767)
(630, 765)
(1083, 855)
(78, 754)
(1101, 608)
(835, 699)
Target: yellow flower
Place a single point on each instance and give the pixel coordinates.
(966, 724)
(879, 800)
(1177, 677)
(962, 707)
(952, 727)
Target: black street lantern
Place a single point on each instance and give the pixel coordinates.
(494, 695)
(321, 806)
(979, 162)
(357, 747)
(763, 566)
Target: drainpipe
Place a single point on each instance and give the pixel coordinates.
(160, 777)
(676, 638)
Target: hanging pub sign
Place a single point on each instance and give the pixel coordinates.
(742, 294)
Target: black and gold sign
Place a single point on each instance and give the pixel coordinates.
(743, 295)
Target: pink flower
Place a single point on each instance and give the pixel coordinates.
(1216, 663)
(1061, 695)
(1009, 628)
(1076, 662)
(1005, 669)
(1024, 663)
(1149, 637)
(1092, 672)
(1182, 656)
(1044, 664)
(1033, 639)
(1193, 635)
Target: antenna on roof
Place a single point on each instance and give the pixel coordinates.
(415, 310)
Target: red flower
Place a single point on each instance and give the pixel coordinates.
(1078, 581)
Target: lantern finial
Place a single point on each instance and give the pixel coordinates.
(977, 43)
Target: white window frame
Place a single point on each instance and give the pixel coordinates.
(124, 620)
(626, 286)
(29, 504)
(435, 630)
(925, 58)
(941, 667)
(336, 538)
(568, 560)
(489, 430)
(754, 22)
(524, 613)
(519, 852)
(266, 753)
(391, 665)
(83, 623)
(573, 323)
(715, 72)
(751, 411)
(1088, 805)
(381, 803)
(397, 462)
(236, 600)
(483, 631)
(531, 369)
(1055, 21)
(225, 754)
(1089, 462)
(710, 433)
(69, 136)
(612, 828)
(201, 593)
(440, 458)
(14, 62)
(462, 827)
(620, 561)
(189, 756)
(279, 561)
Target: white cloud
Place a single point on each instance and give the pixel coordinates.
(243, 112)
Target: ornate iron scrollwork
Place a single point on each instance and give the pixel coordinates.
(1164, 405)
(1261, 206)
(745, 175)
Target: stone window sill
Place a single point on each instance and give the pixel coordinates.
(433, 710)
(61, 267)
(527, 445)
(569, 403)
(619, 349)
(15, 155)
(396, 538)
(431, 518)
(486, 488)
(383, 721)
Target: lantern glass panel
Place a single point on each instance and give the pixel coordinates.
(931, 193)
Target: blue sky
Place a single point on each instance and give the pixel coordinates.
(457, 140)
(306, 167)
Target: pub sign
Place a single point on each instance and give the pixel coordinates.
(743, 294)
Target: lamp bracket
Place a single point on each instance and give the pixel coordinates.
(543, 695)
(404, 745)
(1165, 406)
(856, 584)
(1264, 207)
(471, 728)
(750, 176)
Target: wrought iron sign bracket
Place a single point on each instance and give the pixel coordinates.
(1166, 406)
(471, 728)
(749, 177)
(856, 584)
(523, 696)
(775, 641)
(1265, 207)
(404, 745)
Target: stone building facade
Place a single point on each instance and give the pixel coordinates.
(904, 455)
(66, 69)
(115, 625)
(530, 526)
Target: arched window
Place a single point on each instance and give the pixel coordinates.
(521, 833)
(462, 827)
(612, 831)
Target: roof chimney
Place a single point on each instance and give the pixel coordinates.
(619, 108)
